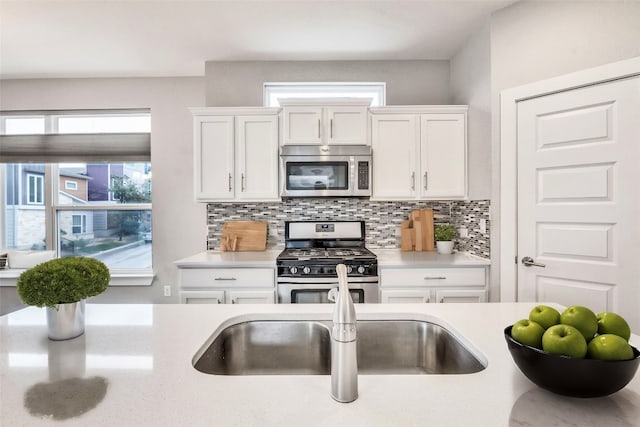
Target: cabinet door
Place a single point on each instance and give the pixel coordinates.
(302, 125)
(213, 157)
(346, 125)
(251, 297)
(394, 142)
(461, 295)
(256, 158)
(202, 297)
(405, 296)
(443, 156)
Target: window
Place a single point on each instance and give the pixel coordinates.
(102, 158)
(79, 224)
(274, 91)
(35, 189)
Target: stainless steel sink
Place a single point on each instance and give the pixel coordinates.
(303, 346)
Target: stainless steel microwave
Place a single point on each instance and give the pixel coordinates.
(325, 170)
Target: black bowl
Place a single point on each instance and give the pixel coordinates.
(569, 376)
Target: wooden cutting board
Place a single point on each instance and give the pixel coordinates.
(417, 232)
(244, 236)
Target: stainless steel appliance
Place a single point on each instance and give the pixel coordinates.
(325, 170)
(307, 265)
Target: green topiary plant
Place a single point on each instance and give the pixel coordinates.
(444, 233)
(63, 281)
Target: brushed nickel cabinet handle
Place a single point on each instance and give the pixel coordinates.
(229, 182)
(425, 180)
(413, 180)
(225, 278)
(435, 278)
(242, 187)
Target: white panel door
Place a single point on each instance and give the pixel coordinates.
(394, 144)
(578, 198)
(443, 154)
(257, 158)
(213, 157)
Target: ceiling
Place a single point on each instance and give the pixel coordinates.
(136, 38)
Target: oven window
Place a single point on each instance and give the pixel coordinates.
(317, 175)
(320, 296)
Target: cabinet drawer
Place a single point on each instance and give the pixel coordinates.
(226, 277)
(432, 277)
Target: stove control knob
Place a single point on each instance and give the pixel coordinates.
(349, 269)
(293, 270)
(306, 270)
(361, 269)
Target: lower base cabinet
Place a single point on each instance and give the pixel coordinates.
(433, 285)
(227, 286)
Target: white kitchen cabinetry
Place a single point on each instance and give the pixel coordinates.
(433, 285)
(419, 153)
(325, 121)
(227, 285)
(236, 154)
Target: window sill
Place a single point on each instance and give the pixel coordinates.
(9, 278)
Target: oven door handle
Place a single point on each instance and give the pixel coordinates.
(325, 280)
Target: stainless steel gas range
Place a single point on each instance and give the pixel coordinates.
(307, 265)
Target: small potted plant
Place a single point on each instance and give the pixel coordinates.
(62, 286)
(444, 238)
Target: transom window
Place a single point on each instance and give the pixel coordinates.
(276, 90)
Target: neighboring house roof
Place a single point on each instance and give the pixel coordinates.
(73, 174)
(73, 199)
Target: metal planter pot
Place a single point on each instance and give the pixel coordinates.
(66, 321)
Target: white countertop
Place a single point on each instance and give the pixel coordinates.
(132, 367)
(386, 258)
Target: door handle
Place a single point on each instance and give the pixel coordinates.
(529, 262)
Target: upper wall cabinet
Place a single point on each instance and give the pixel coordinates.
(419, 153)
(325, 121)
(236, 154)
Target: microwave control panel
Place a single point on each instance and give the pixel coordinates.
(363, 175)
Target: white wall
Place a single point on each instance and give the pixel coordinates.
(470, 70)
(179, 223)
(408, 82)
(532, 41)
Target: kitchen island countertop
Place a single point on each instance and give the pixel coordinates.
(132, 367)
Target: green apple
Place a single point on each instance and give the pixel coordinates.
(582, 319)
(545, 316)
(609, 347)
(612, 323)
(564, 340)
(528, 333)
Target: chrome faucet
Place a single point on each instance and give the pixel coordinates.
(344, 362)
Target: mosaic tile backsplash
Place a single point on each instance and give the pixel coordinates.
(382, 219)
